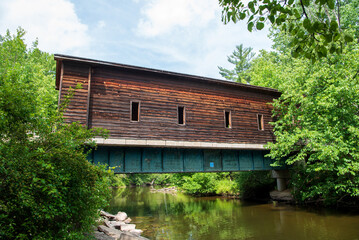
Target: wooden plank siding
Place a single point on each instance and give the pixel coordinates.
(160, 93)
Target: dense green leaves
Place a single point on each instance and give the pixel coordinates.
(317, 115)
(313, 27)
(48, 189)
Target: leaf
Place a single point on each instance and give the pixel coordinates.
(250, 26)
(348, 38)
(260, 25)
(242, 15)
(333, 26)
(330, 4)
(271, 18)
(306, 2)
(251, 7)
(306, 24)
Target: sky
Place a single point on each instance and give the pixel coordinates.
(185, 36)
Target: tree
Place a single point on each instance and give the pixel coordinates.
(48, 189)
(315, 28)
(241, 58)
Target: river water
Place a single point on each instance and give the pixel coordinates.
(167, 216)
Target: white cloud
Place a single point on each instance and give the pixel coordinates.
(161, 16)
(101, 24)
(54, 23)
(191, 33)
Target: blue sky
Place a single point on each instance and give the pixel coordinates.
(184, 36)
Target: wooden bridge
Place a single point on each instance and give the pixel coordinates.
(163, 122)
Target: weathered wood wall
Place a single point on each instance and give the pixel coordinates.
(113, 88)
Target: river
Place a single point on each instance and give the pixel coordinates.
(178, 216)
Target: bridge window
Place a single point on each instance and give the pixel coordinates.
(181, 115)
(227, 119)
(260, 122)
(135, 111)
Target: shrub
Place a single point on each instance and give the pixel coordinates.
(200, 184)
(48, 190)
(254, 184)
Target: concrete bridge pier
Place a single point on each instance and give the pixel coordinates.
(282, 176)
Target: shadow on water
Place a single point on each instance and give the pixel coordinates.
(166, 216)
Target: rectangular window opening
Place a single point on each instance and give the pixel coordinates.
(181, 115)
(135, 111)
(260, 122)
(227, 119)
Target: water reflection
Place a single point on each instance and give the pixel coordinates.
(166, 216)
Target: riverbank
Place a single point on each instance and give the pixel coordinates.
(117, 227)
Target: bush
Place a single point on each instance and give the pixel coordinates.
(48, 189)
(226, 187)
(254, 184)
(200, 184)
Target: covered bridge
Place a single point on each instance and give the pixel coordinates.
(162, 121)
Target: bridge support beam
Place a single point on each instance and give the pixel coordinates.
(282, 176)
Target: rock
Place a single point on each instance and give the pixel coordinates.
(110, 231)
(102, 236)
(107, 223)
(281, 196)
(108, 215)
(137, 232)
(128, 220)
(128, 227)
(117, 225)
(121, 216)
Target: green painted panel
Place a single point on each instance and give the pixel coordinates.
(117, 159)
(172, 160)
(212, 160)
(152, 160)
(133, 160)
(267, 161)
(245, 160)
(230, 160)
(101, 156)
(193, 160)
(258, 160)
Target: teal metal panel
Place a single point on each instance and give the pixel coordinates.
(100, 156)
(141, 160)
(245, 160)
(172, 160)
(212, 160)
(230, 160)
(267, 161)
(117, 159)
(133, 160)
(193, 160)
(152, 160)
(258, 161)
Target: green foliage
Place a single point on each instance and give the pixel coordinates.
(314, 28)
(241, 58)
(254, 184)
(148, 179)
(226, 187)
(200, 184)
(118, 180)
(316, 122)
(48, 190)
(317, 119)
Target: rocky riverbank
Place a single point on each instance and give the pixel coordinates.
(117, 227)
